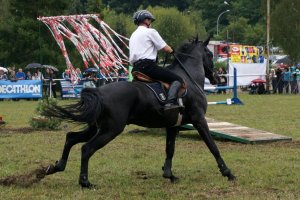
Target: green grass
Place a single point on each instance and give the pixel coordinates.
(130, 166)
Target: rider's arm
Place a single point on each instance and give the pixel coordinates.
(167, 49)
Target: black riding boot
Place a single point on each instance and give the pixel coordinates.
(172, 96)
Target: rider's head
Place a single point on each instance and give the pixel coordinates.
(143, 17)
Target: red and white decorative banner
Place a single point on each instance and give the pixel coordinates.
(96, 46)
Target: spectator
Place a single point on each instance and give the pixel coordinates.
(28, 76)
(293, 80)
(261, 88)
(3, 75)
(20, 75)
(90, 80)
(298, 80)
(123, 75)
(286, 80)
(222, 79)
(53, 83)
(66, 75)
(273, 80)
(78, 71)
(12, 75)
(49, 75)
(253, 88)
(35, 76)
(39, 74)
(101, 78)
(294, 85)
(279, 80)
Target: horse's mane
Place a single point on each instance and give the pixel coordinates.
(186, 49)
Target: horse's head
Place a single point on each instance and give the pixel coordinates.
(196, 49)
(209, 64)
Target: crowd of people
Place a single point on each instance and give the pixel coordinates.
(14, 75)
(282, 80)
(89, 78)
(285, 80)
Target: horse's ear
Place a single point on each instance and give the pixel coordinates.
(205, 43)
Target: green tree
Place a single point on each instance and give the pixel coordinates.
(285, 27)
(95, 6)
(235, 31)
(24, 39)
(250, 10)
(4, 29)
(255, 35)
(210, 12)
(129, 7)
(173, 26)
(121, 22)
(196, 19)
(240, 31)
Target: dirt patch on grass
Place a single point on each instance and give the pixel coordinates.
(141, 175)
(21, 130)
(25, 180)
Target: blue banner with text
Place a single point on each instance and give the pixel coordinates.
(21, 89)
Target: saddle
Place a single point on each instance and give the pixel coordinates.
(159, 88)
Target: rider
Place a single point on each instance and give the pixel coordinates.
(143, 46)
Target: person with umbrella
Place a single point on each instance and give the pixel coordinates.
(28, 76)
(3, 75)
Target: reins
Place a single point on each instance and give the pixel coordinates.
(188, 74)
(185, 54)
(178, 52)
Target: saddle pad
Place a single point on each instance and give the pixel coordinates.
(158, 90)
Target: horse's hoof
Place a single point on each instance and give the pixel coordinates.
(167, 174)
(50, 170)
(174, 179)
(231, 177)
(87, 185)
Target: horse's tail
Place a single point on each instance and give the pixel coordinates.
(87, 110)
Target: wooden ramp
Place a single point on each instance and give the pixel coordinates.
(243, 134)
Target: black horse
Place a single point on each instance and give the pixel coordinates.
(108, 109)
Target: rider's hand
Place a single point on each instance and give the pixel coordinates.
(172, 52)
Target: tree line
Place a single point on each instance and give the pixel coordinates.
(24, 39)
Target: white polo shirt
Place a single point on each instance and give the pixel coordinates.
(144, 44)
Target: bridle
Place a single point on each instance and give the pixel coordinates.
(185, 69)
(188, 74)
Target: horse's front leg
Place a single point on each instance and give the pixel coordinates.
(72, 138)
(203, 130)
(170, 147)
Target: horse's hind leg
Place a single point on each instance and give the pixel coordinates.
(203, 130)
(72, 138)
(103, 137)
(170, 147)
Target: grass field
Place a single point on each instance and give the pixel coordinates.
(130, 166)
